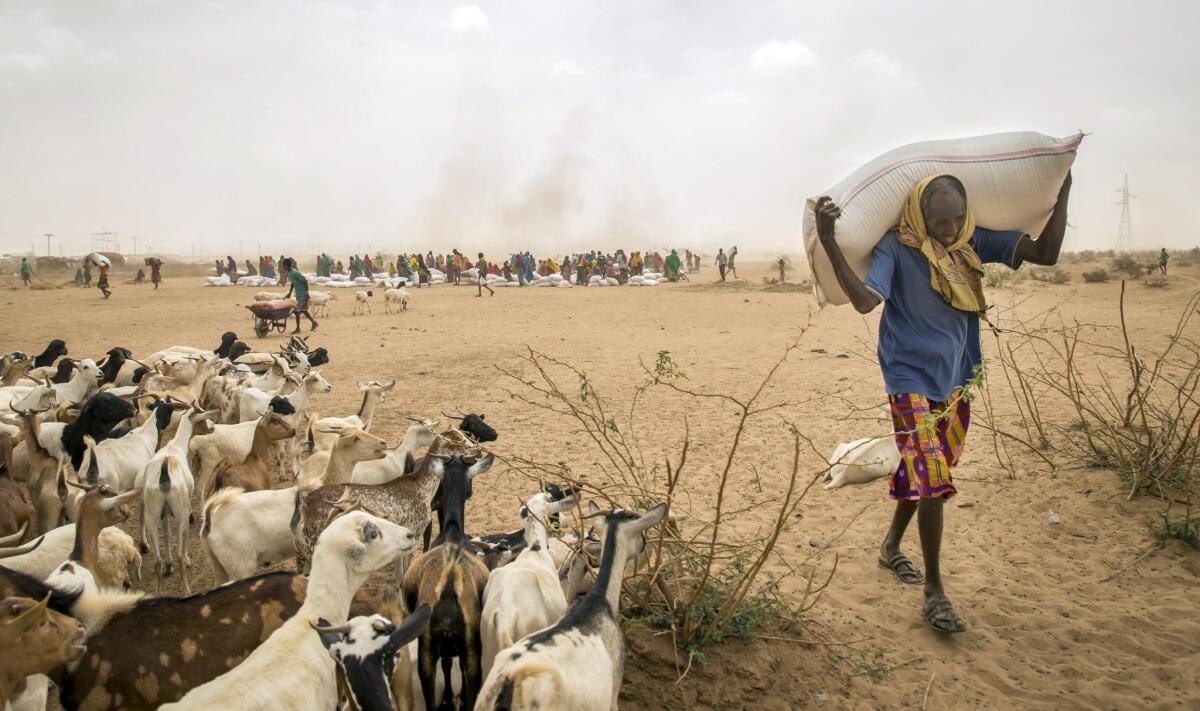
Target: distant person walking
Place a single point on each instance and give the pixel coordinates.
(102, 282)
(155, 265)
(481, 278)
(1163, 258)
(722, 262)
(26, 272)
(79, 276)
(87, 274)
(733, 256)
(782, 264)
(299, 284)
(231, 268)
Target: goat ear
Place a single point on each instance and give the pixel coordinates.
(593, 509)
(480, 467)
(369, 531)
(411, 628)
(29, 619)
(120, 500)
(651, 518)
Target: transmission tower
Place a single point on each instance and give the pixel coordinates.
(1125, 230)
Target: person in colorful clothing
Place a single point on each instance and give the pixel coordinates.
(155, 265)
(298, 283)
(26, 272)
(928, 273)
(102, 282)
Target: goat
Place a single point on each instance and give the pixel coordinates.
(99, 415)
(119, 462)
(292, 669)
(43, 476)
(862, 461)
(253, 473)
(335, 467)
(525, 595)
(243, 530)
(82, 385)
(227, 444)
(13, 367)
(451, 580)
(99, 508)
(498, 549)
(270, 296)
(254, 402)
(475, 426)
(114, 360)
(15, 513)
(399, 297)
(54, 350)
(362, 302)
(318, 301)
(365, 650)
(579, 662)
(420, 434)
(167, 486)
(373, 394)
(38, 639)
(145, 651)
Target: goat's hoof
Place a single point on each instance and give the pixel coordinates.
(192, 519)
(143, 548)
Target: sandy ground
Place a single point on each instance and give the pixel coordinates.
(1045, 631)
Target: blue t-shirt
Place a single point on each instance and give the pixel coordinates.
(926, 345)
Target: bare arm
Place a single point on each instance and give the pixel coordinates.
(827, 213)
(1045, 249)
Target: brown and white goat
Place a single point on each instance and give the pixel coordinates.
(254, 473)
(15, 513)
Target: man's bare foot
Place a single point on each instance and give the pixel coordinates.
(314, 327)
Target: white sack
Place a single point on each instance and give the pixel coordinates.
(1012, 182)
(862, 460)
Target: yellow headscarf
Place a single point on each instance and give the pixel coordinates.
(955, 272)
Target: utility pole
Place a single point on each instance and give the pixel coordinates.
(48, 235)
(1125, 229)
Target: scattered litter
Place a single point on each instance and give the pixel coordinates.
(817, 543)
(966, 504)
(841, 354)
(1052, 518)
(820, 698)
(818, 350)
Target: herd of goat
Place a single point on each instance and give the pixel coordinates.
(226, 440)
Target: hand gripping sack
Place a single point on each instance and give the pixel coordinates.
(1012, 182)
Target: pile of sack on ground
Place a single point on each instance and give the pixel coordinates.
(343, 281)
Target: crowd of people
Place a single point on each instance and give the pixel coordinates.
(519, 266)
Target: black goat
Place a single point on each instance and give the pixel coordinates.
(227, 340)
(237, 350)
(100, 414)
(318, 356)
(64, 372)
(54, 350)
(479, 430)
(281, 406)
(112, 364)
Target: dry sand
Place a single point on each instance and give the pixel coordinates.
(1045, 630)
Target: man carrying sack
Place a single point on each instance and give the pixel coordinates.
(928, 273)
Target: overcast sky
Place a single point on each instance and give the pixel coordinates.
(559, 124)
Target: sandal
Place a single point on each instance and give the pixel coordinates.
(906, 571)
(941, 617)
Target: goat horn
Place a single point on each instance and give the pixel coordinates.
(447, 415)
(9, 540)
(340, 629)
(80, 485)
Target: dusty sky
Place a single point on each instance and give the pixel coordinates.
(559, 124)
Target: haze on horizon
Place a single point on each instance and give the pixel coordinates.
(554, 126)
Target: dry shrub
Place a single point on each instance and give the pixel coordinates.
(1157, 281)
(1096, 276)
(999, 276)
(705, 578)
(1050, 275)
(1129, 264)
(1137, 415)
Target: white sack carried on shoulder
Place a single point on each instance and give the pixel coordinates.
(1012, 182)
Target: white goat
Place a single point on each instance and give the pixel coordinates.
(323, 432)
(243, 530)
(292, 669)
(362, 302)
(398, 297)
(420, 435)
(119, 462)
(863, 460)
(579, 662)
(318, 302)
(82, 385)
(167, 485)
(525, 595)
(270, 296)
